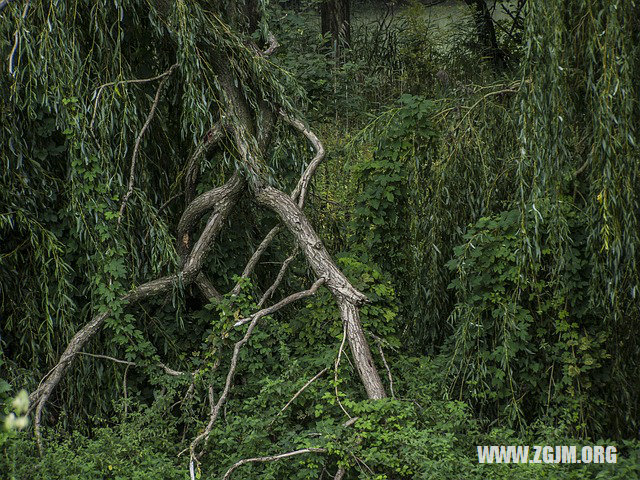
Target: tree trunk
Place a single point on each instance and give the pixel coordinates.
(487, 33)
(347, 296)
(335, 20)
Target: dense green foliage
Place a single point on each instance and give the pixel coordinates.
(490, 216)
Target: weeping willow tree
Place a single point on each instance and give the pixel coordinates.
(534, 196)
(131, 133)
(579, 128)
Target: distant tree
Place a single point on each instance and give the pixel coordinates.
(486, 32)
(335, 20)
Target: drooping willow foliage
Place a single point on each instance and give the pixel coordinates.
(537, 184)
(76, 91)
(580, 117)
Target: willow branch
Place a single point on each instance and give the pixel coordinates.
(282, 303)
(206, 287)
(213, 136)
(190, 270)
(300, 192)
(4, 3)
(279, 277)
(271, 458)
(254, 319)
(255, 258)
(123, 82)
(273, 45)
(200, 206)
(386, 366)
(340, 474)
(335, 370)
(136, 147)
(107, 357)
(16, 35)
(304, 387)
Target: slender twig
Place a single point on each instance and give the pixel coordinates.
(136, 147)
(285, 301)
(4, 4)
(335, 370)
(123, 82)
(255, 258)
(318, 375)
(386, 366)
(107, 357)
(270, 458)
(124, 389)
(512, 89)
(279, 277)
(213, 136)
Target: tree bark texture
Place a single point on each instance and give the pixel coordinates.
(347, 296)
(335, 20)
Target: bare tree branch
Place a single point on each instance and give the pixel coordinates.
(298, 194)
(386, 366)
(254, 319)
(335, 370)
(279, 277)
(271, 458)
(347, 296)
(201, 205)
(107, 357)
(304, 387)
(136, 147)
(207, 288)
(255, 258)
(285, 301)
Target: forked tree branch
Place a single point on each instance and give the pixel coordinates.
(188, 274)
(347, 297)
(298, 195)
(254, 319)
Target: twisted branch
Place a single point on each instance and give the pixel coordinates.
(188, 274)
